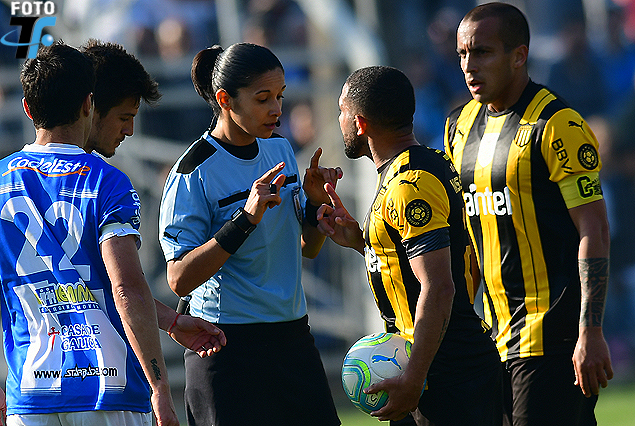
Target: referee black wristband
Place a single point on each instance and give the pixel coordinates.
(310, 214)
(234, 232)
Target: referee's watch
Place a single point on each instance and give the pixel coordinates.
(239, 217)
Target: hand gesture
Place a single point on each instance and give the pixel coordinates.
(335, 222)
(316, 176)
(199, 335)
(264, 194)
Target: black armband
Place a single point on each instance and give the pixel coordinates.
(234, 232)
(310, 213)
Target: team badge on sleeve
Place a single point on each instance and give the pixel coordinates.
(588, 156)
(297, 205)
(418, 213)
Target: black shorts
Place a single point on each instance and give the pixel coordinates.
(475, 401)
(267, 374)
(542, 393)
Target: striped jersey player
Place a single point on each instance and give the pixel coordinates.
(521, 170)
(416, 210)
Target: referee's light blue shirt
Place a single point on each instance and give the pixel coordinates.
(261, 282)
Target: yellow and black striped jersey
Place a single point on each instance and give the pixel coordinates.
(418, 208)
(521, 170)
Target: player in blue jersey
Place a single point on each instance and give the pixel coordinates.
(233, 229)
(79, 320)
(121, 83)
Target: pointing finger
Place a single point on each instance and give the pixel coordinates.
(269, 175)
(335, 199)
(315, 160)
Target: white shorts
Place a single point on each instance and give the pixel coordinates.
(102, 418)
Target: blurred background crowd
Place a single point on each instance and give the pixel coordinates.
(582, 49)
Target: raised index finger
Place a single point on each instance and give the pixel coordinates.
(270, 174)
(315, 160)
(335, 199)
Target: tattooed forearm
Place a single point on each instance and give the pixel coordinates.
(156, 369)
(594, 277)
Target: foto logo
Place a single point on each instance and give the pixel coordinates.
(32, 24)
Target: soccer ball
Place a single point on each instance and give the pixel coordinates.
(372, 359)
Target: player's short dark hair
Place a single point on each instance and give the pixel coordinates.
(383, 95)
(120, 76)
(55, 83)
(232, 69)
(513, 27)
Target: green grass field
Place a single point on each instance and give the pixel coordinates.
(616, 407)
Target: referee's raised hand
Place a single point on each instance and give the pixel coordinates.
(316, 176)
(265, 193)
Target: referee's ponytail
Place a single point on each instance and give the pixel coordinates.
(237, 67)
(202, 69)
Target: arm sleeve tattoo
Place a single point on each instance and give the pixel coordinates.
(594, 277)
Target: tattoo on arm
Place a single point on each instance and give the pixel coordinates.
(156, 369)
(594, 277)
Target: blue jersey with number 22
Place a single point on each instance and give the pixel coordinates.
(63, 338)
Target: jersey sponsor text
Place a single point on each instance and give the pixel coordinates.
(487, 202)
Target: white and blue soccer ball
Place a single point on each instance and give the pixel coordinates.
(372, 359)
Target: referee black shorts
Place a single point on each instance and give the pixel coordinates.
(542, 393)
(267, 375)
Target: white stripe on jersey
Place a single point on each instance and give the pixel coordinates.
(73, 193)
(17, 186)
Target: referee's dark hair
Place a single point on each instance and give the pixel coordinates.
(513, 28)
(382, 95)
(236, 67)
(55, 84)
(120, 76)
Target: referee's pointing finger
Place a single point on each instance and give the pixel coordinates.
(270, 174)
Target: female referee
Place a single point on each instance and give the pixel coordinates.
(234, 223)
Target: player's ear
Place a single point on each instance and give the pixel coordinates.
(87, 105)
(361, 124)
(223, 99)
(25, 106)
(520, 56)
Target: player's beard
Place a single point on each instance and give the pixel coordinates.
(354, 144)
